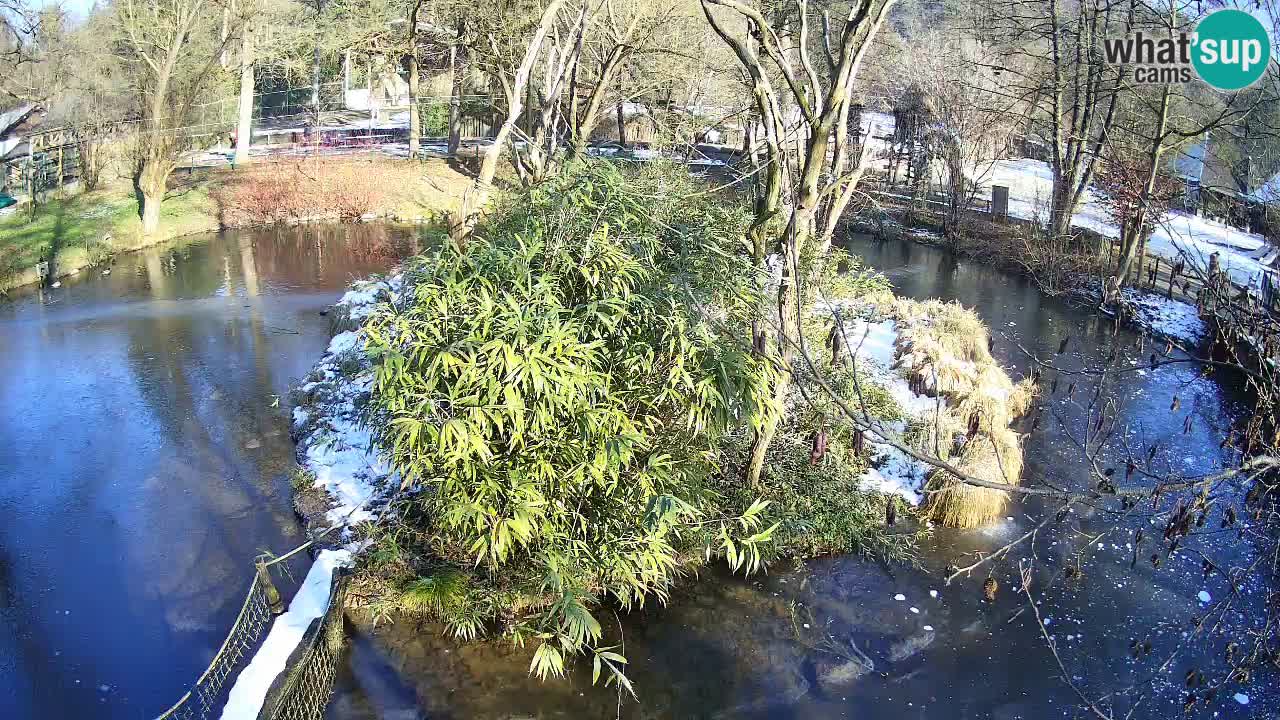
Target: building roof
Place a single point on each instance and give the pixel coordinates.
(20, 150)
(14, 116)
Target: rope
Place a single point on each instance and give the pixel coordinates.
(318, 664)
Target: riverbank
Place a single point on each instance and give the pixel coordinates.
(1070, 273)
(83, 230)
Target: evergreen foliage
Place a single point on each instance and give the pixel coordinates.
(556, 391)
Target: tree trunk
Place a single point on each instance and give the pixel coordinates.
(622, 127)
(788, 332)
(150, 187)
(415, 121)
(1133, 240)
(1061, 208)
(244, 123)
(457, 71)
(315, 73)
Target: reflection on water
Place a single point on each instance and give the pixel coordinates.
(144, 459)
(782, 645)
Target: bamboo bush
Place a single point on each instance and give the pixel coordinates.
(555, 391)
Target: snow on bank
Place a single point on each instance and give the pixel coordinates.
(1180, 235)
(246, 697)
(328, 420)
(1166, 317)
(1163, 317)
(336, 447)
(873, 346)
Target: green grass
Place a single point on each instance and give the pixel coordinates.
(83, 228)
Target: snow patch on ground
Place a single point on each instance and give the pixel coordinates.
(246, 697)
(1171, 318)
(873, 345)
(1162, 316)
(358, 302)
(332, 440)
(1179, 235)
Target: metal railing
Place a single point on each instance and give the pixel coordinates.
(307, 686)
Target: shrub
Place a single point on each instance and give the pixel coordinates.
(820, 506)
(557, 390)
(276, 192)
(435, 119)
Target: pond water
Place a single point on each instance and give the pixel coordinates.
(144, 461)
(782, 645)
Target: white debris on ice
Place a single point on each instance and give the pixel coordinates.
(250, 690)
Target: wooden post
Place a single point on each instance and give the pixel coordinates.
(273, 595)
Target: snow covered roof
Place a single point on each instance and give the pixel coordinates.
(1267, 192)
(15, 149)
(13, 116)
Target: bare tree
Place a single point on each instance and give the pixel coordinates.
(458, 67)
(823, 176)
(971, 121)
(536, 159)
(171, 50)
(623, 30)
(1053, 63)
(514, 81)
(1153, 122)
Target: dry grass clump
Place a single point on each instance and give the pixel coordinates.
(942, 346)
(935, 431)
(996, 457)
(944, 349)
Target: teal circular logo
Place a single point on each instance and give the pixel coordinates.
(1231, 49)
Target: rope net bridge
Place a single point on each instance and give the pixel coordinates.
(301, 691)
